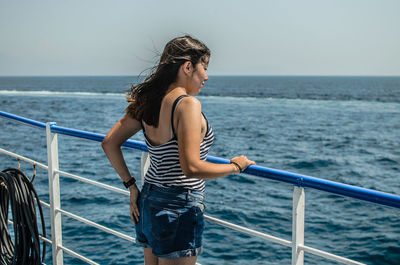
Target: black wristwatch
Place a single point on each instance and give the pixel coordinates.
(129, 183)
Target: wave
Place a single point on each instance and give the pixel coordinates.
(387, 106)
(58, 93)
(333, 104)
(314, 164)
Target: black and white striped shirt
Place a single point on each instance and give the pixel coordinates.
(165, 169)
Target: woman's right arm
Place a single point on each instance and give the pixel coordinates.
(122, 131)
(189, 138)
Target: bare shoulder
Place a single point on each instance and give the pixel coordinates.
(130, 122)
(188, 110)
(190, 104)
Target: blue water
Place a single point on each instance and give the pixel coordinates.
(344, 129)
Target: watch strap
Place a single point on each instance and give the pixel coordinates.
(129, 183)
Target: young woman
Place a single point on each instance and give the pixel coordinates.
(168, 212)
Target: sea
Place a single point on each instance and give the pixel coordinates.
(344, 129)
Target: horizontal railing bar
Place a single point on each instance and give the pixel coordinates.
(41, 237)
(105, 186)
(45, 204)
(329, 256)
(280, 175)
(95, 137)
(319, 184)
(46, 240)
(23, 158)
(93, 182)
(76, 255)
(249, 231)
(235, 227)
(101, 227)
(274, 174)
(23, 120)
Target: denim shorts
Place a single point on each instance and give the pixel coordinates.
(171, 221)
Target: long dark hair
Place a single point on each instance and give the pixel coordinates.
(146, 97)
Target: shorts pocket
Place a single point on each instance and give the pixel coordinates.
(164, 222)
(199, 223)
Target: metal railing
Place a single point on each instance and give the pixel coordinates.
(298, 210)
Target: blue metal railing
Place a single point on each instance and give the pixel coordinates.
(274, 174)
(23, 120)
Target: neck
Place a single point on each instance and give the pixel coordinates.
(177, 88)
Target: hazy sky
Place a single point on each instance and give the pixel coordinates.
(121, 37)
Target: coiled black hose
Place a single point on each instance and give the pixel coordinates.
(15, 187)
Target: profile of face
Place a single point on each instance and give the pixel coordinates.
(197, 77)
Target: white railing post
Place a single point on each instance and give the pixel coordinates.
(54, 192)
(298, 225)
(144, 165)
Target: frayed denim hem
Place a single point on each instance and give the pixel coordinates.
(181, 253)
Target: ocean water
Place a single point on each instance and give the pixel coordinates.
(344, 129)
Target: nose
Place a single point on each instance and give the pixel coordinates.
(205, 77)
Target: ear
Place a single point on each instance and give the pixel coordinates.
(187, 67)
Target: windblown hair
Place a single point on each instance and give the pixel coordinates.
(146, 97)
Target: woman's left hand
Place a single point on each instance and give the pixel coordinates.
(134, 210)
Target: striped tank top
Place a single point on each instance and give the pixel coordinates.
(165, 169)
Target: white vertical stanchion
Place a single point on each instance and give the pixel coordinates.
(144, 165)
(298, 225)
(54, 191)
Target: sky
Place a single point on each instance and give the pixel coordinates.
(124, 37)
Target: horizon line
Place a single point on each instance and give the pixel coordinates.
(217, 75)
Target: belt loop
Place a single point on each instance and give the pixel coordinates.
(187, 195)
